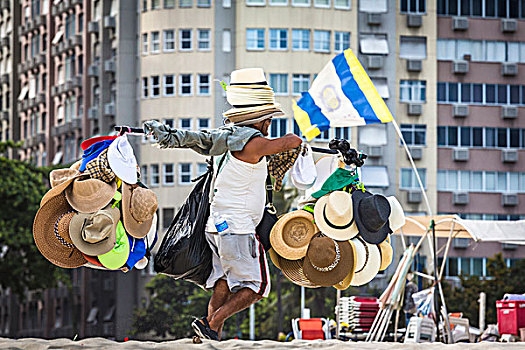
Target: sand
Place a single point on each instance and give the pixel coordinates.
(101, 343)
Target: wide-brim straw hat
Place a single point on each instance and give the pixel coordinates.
(51, 233)
(334, 215)
(60, 179)
(87, 195)
(292, 233)
(293, 270)
(396, 220)
(138, 208)
(274, 257)
(238, 115)
(117, 257)
(371, 212)
(344, 284)
(328, 261)
(387, 254)
(122, 160)
(368, 262)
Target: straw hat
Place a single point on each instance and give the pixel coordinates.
(371, 212)
(368, 262)
(344, 284)
(138, 208)
(89, 195)
(334, 216)
(60, 179)
(122, 160)
(274, 257)
(51, 233)
(396, 220)
(88, 142)
(117, 256)
(387, 253)
(99, 168)
(293, 270)
(95, 233)
(292, 233)
(327, 261)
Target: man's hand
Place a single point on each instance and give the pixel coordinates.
(259, 147)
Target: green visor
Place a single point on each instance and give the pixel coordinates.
(117, 257)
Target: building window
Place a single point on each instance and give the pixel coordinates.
(322, 3)
(185, 39)
(481, 50)
(452, 136)
(412, 90)
(488, 8)
(255, 39)
(204, 123)
(409, 180)
(155, 42)
(414, 134)
(185, 3)
(145, 90)
(301, 3)
(167, 217)
(144, 43)
(169, 85)
(300, 39)
(201, 168)
(185, 124)
(499, 94)
(411, 6)
(227, 4)
(144, 5)
(413, 47)
(341, 41)
(300, 83)
(255, 2)
(278, 39)
(321, 40)
(279, 83)
(155, 4)
(155, 178)
(155, 86)
(184, 173)
(226, 40)
(169, 40)
(481, 181)
(342, 4)
(203, 39)
(204, 84)
(185, 84)
(169, 4)
(342, 133)
(168, 174)
(278, 2)
(203, 3)
(279, 127)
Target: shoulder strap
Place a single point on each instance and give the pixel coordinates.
(269, 190)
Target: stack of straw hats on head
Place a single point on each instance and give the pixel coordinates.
(341, 239)
(97, 213)
(252, 98)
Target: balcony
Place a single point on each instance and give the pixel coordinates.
(4, 79)
(414, 20)
(93, 27)
(110, 22)
(41, 98)
(68, 86)
(77, 82)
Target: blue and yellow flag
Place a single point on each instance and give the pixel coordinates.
(341, 95)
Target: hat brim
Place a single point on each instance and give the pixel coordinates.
(327, 279)
(274, 257)
(133, 228)
(329, 229)
(286, 245)
(152, 237)
(127, 172)
(372, 237)
(344, 284)
(94, 249)
(95, 201)
(293, 270)
(117, 257)
(397, 218)
(54, 191)
(44, 234)
(372, 262)
(324, 166)
(387, 254)
(243, 111)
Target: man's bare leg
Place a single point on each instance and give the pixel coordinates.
(236, 303)
(221, 293)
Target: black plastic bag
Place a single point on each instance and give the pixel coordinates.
(184, 252)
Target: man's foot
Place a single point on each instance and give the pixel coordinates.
(203, 330)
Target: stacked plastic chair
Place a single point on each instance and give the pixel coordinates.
(358, 313)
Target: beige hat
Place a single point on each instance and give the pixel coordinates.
(368, 261)
(95, 234)
(292, 233)
(138, 208)
(396, 219)
(293, 270)
(387, 253)
(334, 216)
(89, 195)
(60, 179)
(274, 257)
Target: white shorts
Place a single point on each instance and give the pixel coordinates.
(239, 259)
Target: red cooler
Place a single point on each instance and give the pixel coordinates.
(511, 316)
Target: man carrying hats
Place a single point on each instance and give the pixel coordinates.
(240, 275)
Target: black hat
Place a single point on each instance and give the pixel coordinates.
(371, 212)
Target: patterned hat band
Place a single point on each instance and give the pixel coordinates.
(58, 236)
(334, 263)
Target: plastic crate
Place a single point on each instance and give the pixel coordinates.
(511, 316)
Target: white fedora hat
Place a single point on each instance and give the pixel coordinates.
(122, 160)
(334, 215)
(397, 215)
(324, 167)
(251, 76)
(368, 262)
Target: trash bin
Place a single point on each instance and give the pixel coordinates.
(511, 316)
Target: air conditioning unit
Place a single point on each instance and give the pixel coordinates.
(373, 19)
(414, 20)
(93, 113)
(414, 196)
(509, 112)
(460, 111)
(93, 27)
(414, 108)
(509, 69)
(5, 4)
(460, 23)
(416, 152)
(460, 154)
(76, 40)
(109, 109)
(110, 66)
(93, 71)
(374, 151)
(460, 243)
(509, 25)
(375, 62)
(509, 246)
(5, 78)
(509, 199)
(110, 22)
(460, 198)
(509, 155)
(414, 65)
(460, 67)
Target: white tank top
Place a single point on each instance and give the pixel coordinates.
(239, 195)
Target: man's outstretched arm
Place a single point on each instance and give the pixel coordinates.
(259, 147)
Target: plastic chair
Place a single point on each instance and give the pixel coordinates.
(311, 328)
